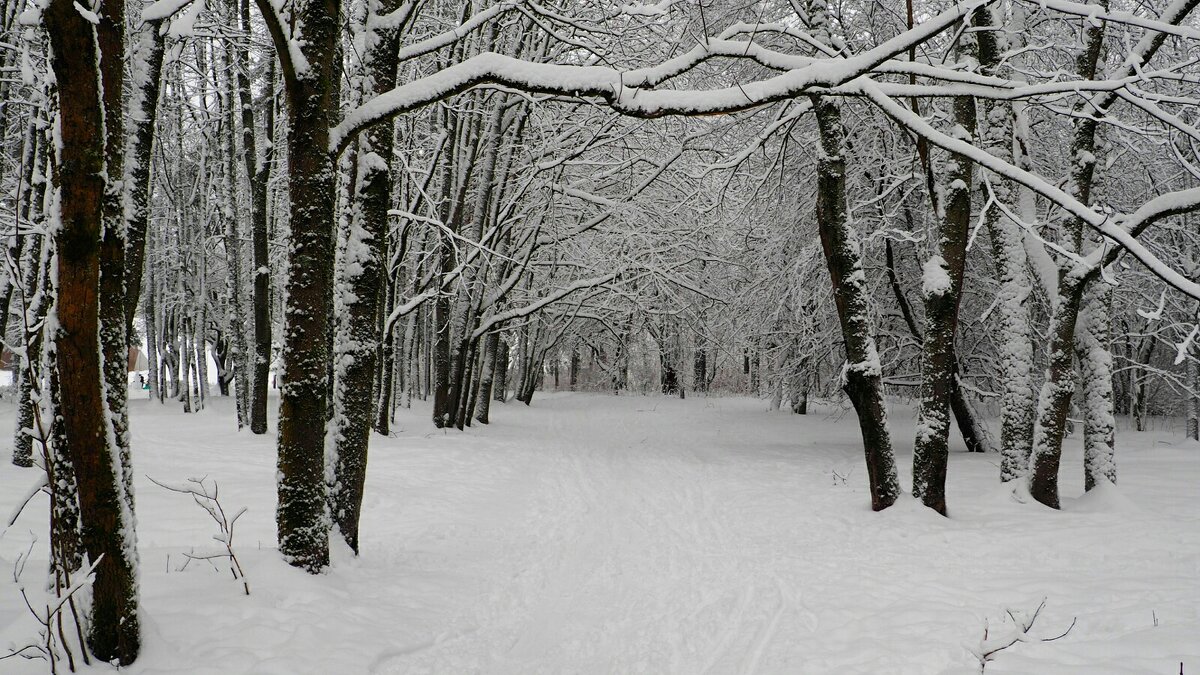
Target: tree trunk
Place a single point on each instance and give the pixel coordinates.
(965, 416)
(105, 519)
(152, 358)
(441, 344)
(388, 370)
(1012, 274)
(259, 172)
(302, 517)
(1193, 412)
(500, 379)
(1054, 401)
(365, 281)
(239, 358)
(483, 401)
(66, 542)
(942, 289)
(37, 303)
(110, 33)
(149, 49)
(1095, 367)
(1140, 417)
(863, 376)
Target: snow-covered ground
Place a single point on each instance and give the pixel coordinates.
(599, 534)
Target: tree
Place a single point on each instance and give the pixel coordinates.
(105, 519)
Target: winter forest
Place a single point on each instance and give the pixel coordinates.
(692, 336)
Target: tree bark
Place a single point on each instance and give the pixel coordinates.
(1054, 401)
(149, 49)
(942, 290)
(239, 358)
(965, 416)
(105, 520)
(863, 376)
(483, 401)
(260, 172)
(500, 379)
(37, 304)
(1193, 413)
(365, 258)
(1096, 370)
(1012, 274)
(302, 516)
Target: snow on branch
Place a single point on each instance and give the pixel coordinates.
(442, 40)
(622, 90)
(655, 9)
(163, 9)
(1122, 230)
(518, 312)
(1094, 14)
(1145, 49)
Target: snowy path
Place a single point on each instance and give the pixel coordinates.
(594, 534)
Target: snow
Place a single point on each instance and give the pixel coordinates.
(655, 9)
(87, 14)
(1122, 230)
(622, 90)
(935, 279)
(185, 25)
(601, 534)
(163, 9)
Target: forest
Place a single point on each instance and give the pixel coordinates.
(929, 232)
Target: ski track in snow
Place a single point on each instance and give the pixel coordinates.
(599, 534)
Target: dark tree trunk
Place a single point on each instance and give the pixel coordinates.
(150, 50)
(942, 289)
(258, 215)
(220, 356)
(800, 402)
(468, 382)
(107, 534)
(110, 33)
(367, 255)
(965, 417)
(574, 371)
(487, 377)
(386, 379)
(500, 379)
(864, 380)
(668, 377)
(964, 414)
(35, 288)
(238, 358)
(66, 543)
(755, 369)
(301, 517)
(1054, 401)
(441, 345)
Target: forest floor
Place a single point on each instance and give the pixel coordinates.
(600, 534)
